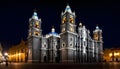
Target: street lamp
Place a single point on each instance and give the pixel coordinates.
(6, 56)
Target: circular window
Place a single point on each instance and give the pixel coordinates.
(63, 45)
(71, 45)
(44, 45)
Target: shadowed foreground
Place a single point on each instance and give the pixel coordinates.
(111, 65)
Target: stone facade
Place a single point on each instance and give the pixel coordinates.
(68, 46)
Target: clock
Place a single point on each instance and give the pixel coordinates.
(63, 20)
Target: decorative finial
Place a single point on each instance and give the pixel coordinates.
(80, 24)
(97, 27)
(53, 29)
(35, 15)
(68, 9)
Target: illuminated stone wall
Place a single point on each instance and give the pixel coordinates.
(19, 52)
(0, 53)
(112, 54)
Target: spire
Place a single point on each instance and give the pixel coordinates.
(35, 15)
(53, 29)
(68, 9)
(80, 24)
(97, 27)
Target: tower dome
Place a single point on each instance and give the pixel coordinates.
(35, 16)
(53, 31)
(68, 9)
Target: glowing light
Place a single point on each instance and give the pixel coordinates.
(19, 54)
(63, 29)
(64, 20)
(6, 54)
(110, 54)
(116, 54)
(71, 19)
(36, 33)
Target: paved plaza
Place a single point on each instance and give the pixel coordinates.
(110, 65)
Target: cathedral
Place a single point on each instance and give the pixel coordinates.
(72, 45)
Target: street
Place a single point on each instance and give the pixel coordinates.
(110, 65)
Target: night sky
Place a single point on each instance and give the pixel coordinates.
(14, 18)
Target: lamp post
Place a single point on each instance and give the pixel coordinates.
(6, 58)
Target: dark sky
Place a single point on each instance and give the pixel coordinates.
(14, 16)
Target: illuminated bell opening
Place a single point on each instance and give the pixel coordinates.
(71, 29)
(37, 25)
(64, 19)
(37, 33)
(71, 20)
(63, 29)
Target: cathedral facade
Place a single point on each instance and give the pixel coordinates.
(68, 46)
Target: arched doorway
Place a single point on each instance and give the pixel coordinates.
(45, 59)
(57, 59)
(116, 59)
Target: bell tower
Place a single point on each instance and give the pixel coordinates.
(34, 35)
(68, 20)
(68, 35)
(97, 36)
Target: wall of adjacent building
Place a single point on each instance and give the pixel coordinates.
(0, 53)
(111, 54)
(19, 52)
